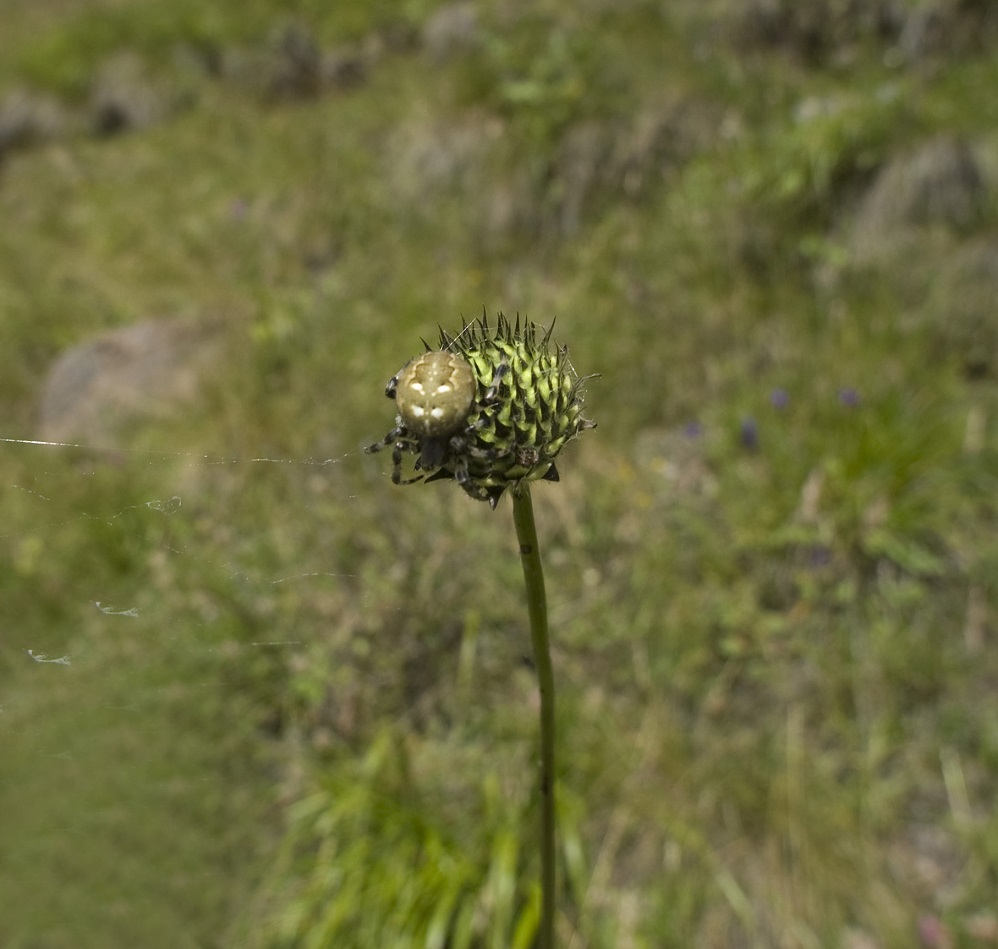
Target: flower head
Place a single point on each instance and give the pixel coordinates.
(491, 408)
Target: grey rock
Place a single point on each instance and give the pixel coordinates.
(962, 309)
(148, 370)
(123, 97)
(451, 30)
(938, 185)
(29, 118)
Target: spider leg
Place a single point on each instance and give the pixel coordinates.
(401, 442)
(472, 488)
(477, 492)
(401, 446)
(441, 474)
(392, 436)
(492, 393)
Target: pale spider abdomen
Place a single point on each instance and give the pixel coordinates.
(434, 393)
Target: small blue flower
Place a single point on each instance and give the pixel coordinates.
(819, 556)
(748, 433)
(779, 398)
(849, 397)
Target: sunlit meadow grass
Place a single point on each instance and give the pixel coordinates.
(772, 615)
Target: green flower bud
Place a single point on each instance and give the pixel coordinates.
(490, 408)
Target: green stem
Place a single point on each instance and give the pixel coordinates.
(533, 578)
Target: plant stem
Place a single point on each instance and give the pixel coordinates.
(533, 578)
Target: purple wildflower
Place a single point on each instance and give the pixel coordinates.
(849, 397)
(779, 398)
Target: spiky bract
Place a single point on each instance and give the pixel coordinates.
(529, 404)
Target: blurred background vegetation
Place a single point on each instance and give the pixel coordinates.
(251, 694)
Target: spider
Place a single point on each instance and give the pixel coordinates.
(438, 416)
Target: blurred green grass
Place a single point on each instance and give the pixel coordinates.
(774, 616)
